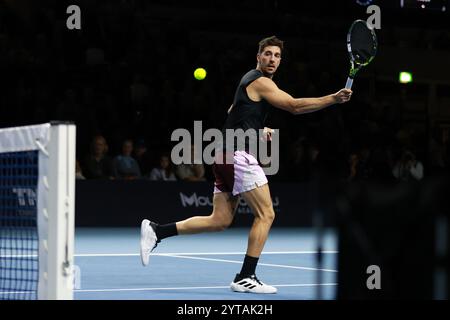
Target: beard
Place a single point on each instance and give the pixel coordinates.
(268, 73)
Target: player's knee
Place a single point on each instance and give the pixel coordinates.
(219, 224)
(222, 225)
(269, 215)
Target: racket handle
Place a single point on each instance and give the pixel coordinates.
(349, 83)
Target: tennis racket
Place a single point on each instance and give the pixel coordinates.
(362, 47)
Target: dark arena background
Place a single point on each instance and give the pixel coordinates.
(360, 184)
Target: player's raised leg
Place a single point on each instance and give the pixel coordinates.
(224, 206)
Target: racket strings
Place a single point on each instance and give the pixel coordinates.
(363, 43)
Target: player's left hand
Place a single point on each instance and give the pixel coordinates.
(343, 95)
(267, 134)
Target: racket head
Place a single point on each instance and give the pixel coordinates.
(362, 43)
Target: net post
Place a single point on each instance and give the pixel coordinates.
(60, 209)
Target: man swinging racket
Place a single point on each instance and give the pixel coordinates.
(244, 177)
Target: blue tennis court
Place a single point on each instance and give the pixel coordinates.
(201, 267)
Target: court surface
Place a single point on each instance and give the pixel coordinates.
(201, 267)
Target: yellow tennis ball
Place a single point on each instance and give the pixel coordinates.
(200, 74)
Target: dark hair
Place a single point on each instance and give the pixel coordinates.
(94, 139)
(270, 41)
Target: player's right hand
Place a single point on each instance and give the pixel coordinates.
(343, 95)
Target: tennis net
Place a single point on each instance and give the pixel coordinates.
(37, 186)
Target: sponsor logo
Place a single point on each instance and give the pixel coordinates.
(25, 196)
(194, 200)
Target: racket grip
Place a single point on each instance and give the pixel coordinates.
(349, 83)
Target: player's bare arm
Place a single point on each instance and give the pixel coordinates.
(265, 88)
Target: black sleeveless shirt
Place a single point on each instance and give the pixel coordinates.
(247, 114)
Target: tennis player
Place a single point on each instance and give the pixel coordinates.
(244, 177)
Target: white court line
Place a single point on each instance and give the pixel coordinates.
(167, 253)
(185, 256)
(259, 264)
(181, 288)
(194, 288)
(193, 253)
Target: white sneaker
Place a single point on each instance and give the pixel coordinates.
(149, 241)
(251, 284)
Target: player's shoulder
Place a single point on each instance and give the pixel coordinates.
(263, 83)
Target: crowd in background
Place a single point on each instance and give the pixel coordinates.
(304, 158)
(126, 80)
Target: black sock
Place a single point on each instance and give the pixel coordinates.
(249, 266)
(166, 230)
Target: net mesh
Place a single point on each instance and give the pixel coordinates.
(19, 264)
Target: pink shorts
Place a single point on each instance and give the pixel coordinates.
(244, 174)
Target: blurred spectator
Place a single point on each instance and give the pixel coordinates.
(97, 164)
(124, 166)
(296, 166)
(360, 167)
(408, 168)
(314, 157)
(78, 172)
(439, 151)
(313, 162)
(353, 161)
(191, 172)
(165, 170)
(142, 157)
